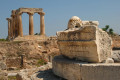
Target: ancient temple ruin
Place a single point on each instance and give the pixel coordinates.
(15, 28)
(85, 53)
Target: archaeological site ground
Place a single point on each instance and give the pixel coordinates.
(80, 49)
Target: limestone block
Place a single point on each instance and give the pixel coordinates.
(90, 23)
(77, 70)
(86, 43)
(65, 70)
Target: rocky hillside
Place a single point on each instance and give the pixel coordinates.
(116, 41)
(32, 50)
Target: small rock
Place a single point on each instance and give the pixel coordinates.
(109, 60)
(2, 66)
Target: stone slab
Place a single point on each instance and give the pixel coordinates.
(77, 70)
(88, 44)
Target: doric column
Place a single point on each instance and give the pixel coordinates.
(42, 24)
(13, 22)
(31, 26)
(20, 25)
(13, 25)
(11, 28)
(17, 24)
(8, 19)
(16, 32)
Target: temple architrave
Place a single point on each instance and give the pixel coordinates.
(15, 28)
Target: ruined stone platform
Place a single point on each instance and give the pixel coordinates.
(78, 70)
(31, 38)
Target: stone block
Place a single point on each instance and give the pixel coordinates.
(86, 42)
(77, 70)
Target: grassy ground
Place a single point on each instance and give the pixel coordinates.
(12, 78)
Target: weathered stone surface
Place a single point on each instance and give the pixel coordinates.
(86, 42)
(116, 55)
(3, 66)
(31, 38)
(74, 22)
(77, 70)
(34, 10)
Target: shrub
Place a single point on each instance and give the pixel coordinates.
(12, 78)
(41, 62)
(3, 40)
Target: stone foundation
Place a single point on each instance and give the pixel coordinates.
(31, 38)
(77, 70)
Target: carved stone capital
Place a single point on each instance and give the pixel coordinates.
(42, 13)
(13, 12)
(8, 19)
(30, 13)
(20, 13)
(13, 16)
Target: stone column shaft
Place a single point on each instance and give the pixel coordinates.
(13, 25)
(20, 25)
(8, 29)
(11, 28)
(13, 22)
(42, 24)
(8, 19)
(31, 26)
(17, 25)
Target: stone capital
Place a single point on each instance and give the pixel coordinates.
(20, 13)
(13, 12)
(30, 13)
(13, 16)
(42, 13)
(8, 19)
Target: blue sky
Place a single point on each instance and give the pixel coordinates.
(58, 12)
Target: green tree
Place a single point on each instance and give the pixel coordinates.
(36, 33)
(111, 31)
(106, 28)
